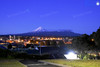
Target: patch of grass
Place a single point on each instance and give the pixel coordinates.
(10, 63)
(77, 63)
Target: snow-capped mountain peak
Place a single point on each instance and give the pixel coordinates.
(39, 29)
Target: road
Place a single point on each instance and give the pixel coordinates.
(36, 63)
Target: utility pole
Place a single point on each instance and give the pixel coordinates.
(40, 48)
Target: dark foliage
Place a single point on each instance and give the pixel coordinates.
(87, 43)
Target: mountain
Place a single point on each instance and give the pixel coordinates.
(43, 32)
(39, 29)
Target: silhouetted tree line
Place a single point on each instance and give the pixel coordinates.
(87, 43)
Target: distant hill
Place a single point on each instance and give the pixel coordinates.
(43, 32)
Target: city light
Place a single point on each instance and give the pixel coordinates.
(92, 39)
(71, 55)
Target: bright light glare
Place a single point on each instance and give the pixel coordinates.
(97, 3)
(71, 55)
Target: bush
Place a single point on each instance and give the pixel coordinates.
(86, 57)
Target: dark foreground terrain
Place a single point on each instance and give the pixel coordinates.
(36, 63)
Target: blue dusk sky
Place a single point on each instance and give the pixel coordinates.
(21, 16)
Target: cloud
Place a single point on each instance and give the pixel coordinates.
(20, 13)
(48, 14)
(82, 14)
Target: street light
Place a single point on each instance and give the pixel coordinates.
(71, 55)
(40, 48)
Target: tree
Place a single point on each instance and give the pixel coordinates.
(32, 41)
(53, 43)
(86, 43)
(97, 38)
(9, 46)
(81, 45)
(42, 43)
(47, 42)
(60, 42)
